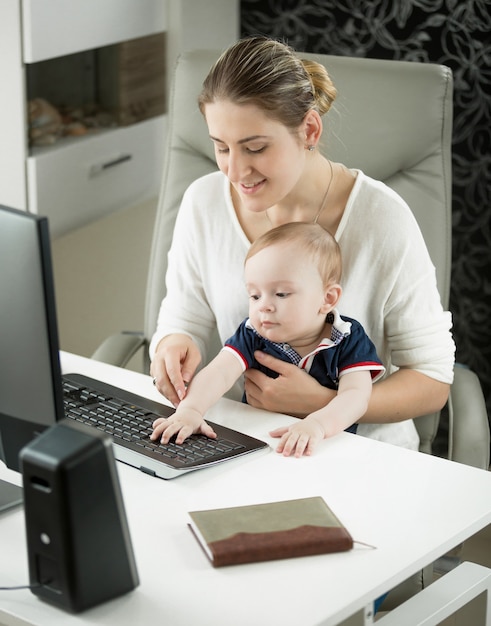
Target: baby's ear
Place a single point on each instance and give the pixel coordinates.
(332, 294)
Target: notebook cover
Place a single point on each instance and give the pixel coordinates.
(266, 532)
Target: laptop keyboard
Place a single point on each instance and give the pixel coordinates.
(127, 422)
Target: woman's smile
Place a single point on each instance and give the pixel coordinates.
(251, 188)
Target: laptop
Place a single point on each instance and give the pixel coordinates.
(33, 385)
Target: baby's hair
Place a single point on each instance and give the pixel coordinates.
(270, 75)
(310, 239)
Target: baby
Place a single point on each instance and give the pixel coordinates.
(292, 275)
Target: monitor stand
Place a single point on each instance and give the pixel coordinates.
(10, 496)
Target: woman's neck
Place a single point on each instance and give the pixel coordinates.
(309, 198)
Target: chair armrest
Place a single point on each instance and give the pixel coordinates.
(119, 348)
(468, 420)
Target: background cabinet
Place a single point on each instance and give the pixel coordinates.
(74, 181)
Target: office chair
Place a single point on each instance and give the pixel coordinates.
(393, 120)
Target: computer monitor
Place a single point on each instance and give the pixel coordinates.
(29, 350)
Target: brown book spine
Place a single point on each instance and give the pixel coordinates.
(283, 544)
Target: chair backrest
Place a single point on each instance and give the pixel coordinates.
(392, 119)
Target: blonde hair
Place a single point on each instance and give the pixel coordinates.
(312, 240)
(268, 74)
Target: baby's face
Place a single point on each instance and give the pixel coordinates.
(286, 295)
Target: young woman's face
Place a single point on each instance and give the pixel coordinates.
(261, 157)
(286, 295)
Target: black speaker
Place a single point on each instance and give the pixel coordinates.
(78, 542)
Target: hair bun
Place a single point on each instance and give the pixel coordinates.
(324, 90)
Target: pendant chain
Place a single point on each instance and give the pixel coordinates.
(323, 203)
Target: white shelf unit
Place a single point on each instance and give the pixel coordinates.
(74, 182)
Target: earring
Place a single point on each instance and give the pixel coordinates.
(310, 148)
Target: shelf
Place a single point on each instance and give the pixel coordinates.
(54, 28)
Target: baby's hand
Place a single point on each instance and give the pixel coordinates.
(299, 438)
(183, 423)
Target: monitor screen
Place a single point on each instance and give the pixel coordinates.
(30, 374)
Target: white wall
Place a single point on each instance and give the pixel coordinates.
(100, 277)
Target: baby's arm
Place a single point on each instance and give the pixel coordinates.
(348, 406)
(206, 388)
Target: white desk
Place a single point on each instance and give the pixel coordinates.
(411, 506)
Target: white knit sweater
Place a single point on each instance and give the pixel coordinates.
(389, 282)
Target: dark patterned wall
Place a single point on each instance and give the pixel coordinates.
(455, 33)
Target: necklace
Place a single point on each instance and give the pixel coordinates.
(323, 203)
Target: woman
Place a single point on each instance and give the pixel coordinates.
(263, 108)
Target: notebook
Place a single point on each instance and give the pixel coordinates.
(33, 388)
(269, 531)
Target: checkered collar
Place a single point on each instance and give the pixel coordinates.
(339, 330)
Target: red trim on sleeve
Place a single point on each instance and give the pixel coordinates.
(376, 369)
(241, 357)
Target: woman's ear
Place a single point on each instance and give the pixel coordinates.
(312, 128)
(331, 298)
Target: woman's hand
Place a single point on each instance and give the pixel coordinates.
(173, 366)
(294, 392)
